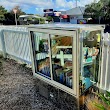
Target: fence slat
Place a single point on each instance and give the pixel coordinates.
(17, 43)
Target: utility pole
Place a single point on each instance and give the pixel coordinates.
(15, 11)
(76, 3)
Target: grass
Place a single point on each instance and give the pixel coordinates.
(105, 105)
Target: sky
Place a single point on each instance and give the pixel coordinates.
(37, 6)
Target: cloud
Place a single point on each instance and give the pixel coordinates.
(85, 2)
(39, 9)
(39, 3)
(7, 4)
(62, 9)
(64, 3)
(68, 4)
(43, 4)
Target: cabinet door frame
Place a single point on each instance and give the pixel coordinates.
(73, 34)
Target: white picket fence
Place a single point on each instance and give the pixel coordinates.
(16, 43)
(105, 63)
(17, 46)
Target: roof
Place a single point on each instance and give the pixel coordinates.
(76, 11)
(24, 16)
(65, 26)
(63, 12)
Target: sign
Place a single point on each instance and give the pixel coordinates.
(48, 14)
(48, 10)
(64, 16)
(15, 11)
(81, 21)
(57, 13)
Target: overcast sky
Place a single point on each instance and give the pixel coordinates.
(37, 6)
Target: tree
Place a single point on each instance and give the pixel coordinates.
(94, 9)
(100, 9)
(9, 19)
(2, 12)
(19, 11)
(49, 18)
(42, 21)
(106, 9)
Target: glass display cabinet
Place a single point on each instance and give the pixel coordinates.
(66, 56)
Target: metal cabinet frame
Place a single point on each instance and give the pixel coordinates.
(73, 34)
(77, 35)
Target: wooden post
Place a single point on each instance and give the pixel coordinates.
(3, 44)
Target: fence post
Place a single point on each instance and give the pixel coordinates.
(3, 44)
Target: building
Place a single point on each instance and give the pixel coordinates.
(74, 15)
(29, 19)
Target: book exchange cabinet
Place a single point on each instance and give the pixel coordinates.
(66, 60)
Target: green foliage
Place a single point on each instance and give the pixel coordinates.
(108, 93)
(49, 18)
(100, 106)
(29, 18)
(42, 21)
(2, 17)
(105, 99)
(8, 17)
(2, 12)
(102, 9)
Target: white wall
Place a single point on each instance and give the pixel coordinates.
(73, 19)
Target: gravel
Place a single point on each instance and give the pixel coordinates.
(18, 88)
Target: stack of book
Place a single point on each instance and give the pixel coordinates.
(69, 79)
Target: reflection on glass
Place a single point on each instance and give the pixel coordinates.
(42, 54)
(61, 48)
(90, 57)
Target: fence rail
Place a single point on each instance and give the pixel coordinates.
(16, 45)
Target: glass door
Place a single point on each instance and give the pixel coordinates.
(53, 56)
(42, 54)
(61, 57)
(90, 59)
